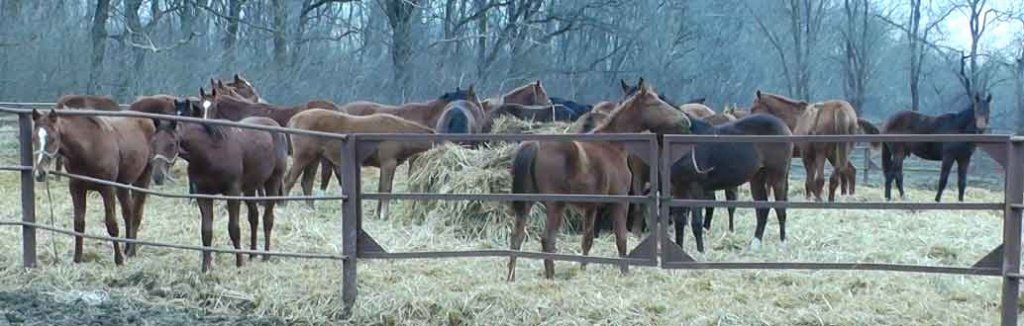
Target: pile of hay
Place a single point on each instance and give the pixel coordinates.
(454, 169)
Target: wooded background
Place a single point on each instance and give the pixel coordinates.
(882, 56)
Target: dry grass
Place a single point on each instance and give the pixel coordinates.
(473, 291)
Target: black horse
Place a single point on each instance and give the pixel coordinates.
(578, 109)
(972, 120)
(720, 166)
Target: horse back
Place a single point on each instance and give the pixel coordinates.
(907, 122)
(74, 101)
(582, 168)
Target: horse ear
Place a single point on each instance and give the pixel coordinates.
(36, 114)
(538, 83)
(989, 98)
(202, 92)
(471, 90)
(238, 79)
(53, 115)
(625, 87)
(759, 94)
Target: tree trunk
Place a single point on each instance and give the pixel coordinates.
(133, 35)
(481, 40)
(400, 13)
(913, 28)
(1018, 90)
(231, 38)
(98, 35)
(280, 38)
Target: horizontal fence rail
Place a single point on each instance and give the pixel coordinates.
(651, 251)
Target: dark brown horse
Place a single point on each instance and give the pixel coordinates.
(714, 166)
(835, 117)
(972, 120)
(113, 149)
(718, 119)
(309, 150)
(460, 117)
(229, 161)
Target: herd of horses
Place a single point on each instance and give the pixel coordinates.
(236, 161)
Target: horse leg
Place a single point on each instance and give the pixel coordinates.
(206, 230)
(300, 166)
(850, 180)
(78, 201)
(110, 217)
(518, 234)
(678, 215)
(138, 208)
(819, 175)
(709, 212)
(947, 165)
(697, 219)
(730, 195)
(325, 174)
(961, 176)
(125, 199)
(780, 188)
(887, 169)
(308, 177)
(809, 176)
(589, 216)
(387, 174)
(618, 215)
(554, 222)
(898, 159)
(759, 191)
(233, 229)
(835, 179)
(253, 213)
(273, 189)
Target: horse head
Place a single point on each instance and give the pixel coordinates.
(165, 144)
(468, 95)
(644, 110)
(981, 110)
(207, 102)
(244, 89)
(46, 140)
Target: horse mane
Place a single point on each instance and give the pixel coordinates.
(101, 122)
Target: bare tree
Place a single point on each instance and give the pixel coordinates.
(101, 14)
(400, 14)
(804, 24)
(857, 51)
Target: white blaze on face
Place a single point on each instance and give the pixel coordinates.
(206, 109)
(41, 134)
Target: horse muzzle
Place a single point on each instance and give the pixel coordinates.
(40, 175)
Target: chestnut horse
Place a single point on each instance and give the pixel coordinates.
(389, 154)
(714, 166)
(573, 167)
(87, 102)
(244, 89)
(834, 117)
(529, 94)
(971, 120)
(109, 148)
(229, 161)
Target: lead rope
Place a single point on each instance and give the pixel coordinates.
(53, 242)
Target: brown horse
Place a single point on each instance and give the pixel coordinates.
(529, 94)
(87, 102)
(460, 117)
(548, 113)
(973, 119)
(229, 161)
(113, 149)
(569, 168)
(424, 113)
(309, 150)
(835, 117)
(726, 165)
(242, 87)
(697, 110)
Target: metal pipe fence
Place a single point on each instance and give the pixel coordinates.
(655, 248)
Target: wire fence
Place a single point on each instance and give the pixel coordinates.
(655, 248)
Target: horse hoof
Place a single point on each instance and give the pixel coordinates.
(755, 244)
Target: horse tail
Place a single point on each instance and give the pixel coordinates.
(869, 128)
(843, 127)
(886, 158)
(522, 176)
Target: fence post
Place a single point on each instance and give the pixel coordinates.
(1014, 193)
(350, 215)
(867, 162)
(28, 192)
